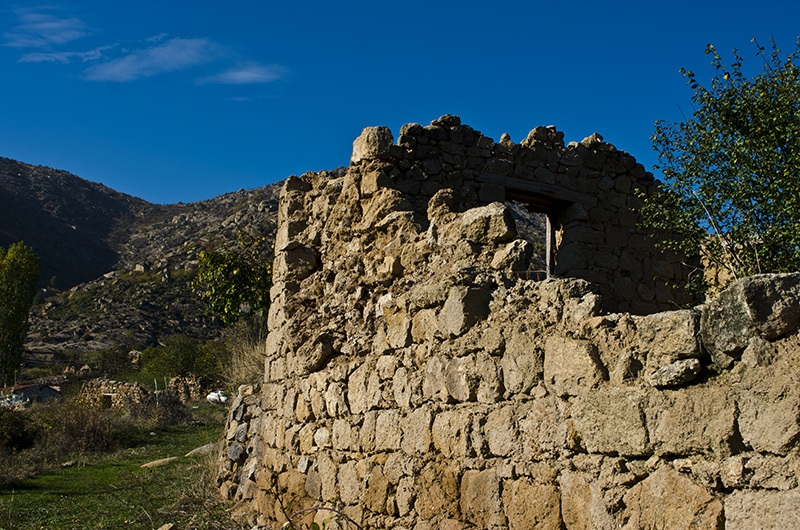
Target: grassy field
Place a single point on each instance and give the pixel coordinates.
(112, 490)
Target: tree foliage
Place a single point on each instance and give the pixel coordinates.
(181, 356)
(19, 271)
(235, 281)
(732, 170)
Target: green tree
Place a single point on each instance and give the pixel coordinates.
(234, 281)
(732, 170)
(19, 271)
(180, 356)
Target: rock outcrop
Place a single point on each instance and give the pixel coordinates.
(416, 378)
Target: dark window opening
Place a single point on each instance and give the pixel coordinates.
(545, 209)
(532, 227)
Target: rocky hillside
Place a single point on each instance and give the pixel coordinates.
(75, 226)
(115, 268)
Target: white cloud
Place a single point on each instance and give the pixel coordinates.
(38, 28)
(174, 54)
(246, 74)
(64, 57)
(157, 38)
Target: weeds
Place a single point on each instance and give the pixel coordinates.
(108, 488)
(245, 342)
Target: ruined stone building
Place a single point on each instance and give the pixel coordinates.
(419, 375)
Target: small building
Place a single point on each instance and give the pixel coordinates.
(26, 394)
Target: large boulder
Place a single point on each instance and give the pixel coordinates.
(374, 142)
(767, 305)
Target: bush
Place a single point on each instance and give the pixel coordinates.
(15, 432)
(732, 193)
(182, 356)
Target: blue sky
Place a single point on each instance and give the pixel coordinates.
(185, 100)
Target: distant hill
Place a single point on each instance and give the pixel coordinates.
(115, 268)
(75, 226)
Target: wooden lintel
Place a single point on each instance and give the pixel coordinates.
(549, 191)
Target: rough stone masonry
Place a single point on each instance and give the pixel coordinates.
(417, 379)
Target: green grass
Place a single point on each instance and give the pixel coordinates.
(113, 491)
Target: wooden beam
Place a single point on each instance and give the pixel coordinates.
(521, 189)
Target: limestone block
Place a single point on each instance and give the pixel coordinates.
(335, 400)
(767, 305)
(374, 142)
(675, 374)
(306, 439)
(523, 362)
(486, 225)
(294, 183)
(383, 207)
(295, 262)
(322, 437)
(667, 337)
(342, 439)
(465, 306)
(528, 505)
(544, 429)
(571, 366)
(235, 451)
(433, 381)
(233, 427)
(372, 181)
(450, 433)
(366, 435)
(377, 490)
(500, 431)
(417, 431)
(582, 505)
(292, 488)
(771, 472)
(691, 420)
(405, 496)
(513, 257)
(386, 366)
(387, 431)
(289, 231)
(769, 412)
(350, 483)
(397, 466)
(363, 389)
(313, 354)
(402, 387)
(490, 381)
(759, 352)
(398, 328)
(327, 470)
(462, 378)
(480, 501)
(666, 499)
(438, 492)
(612, 421)
(424, 325)
(765, 510)
(290, 203)
(443, 203)
(491, 340)
(241, 432)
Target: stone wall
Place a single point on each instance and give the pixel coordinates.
(415, 380)
(119, 395)
(125, 396)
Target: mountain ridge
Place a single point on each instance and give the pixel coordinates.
(116, 269)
